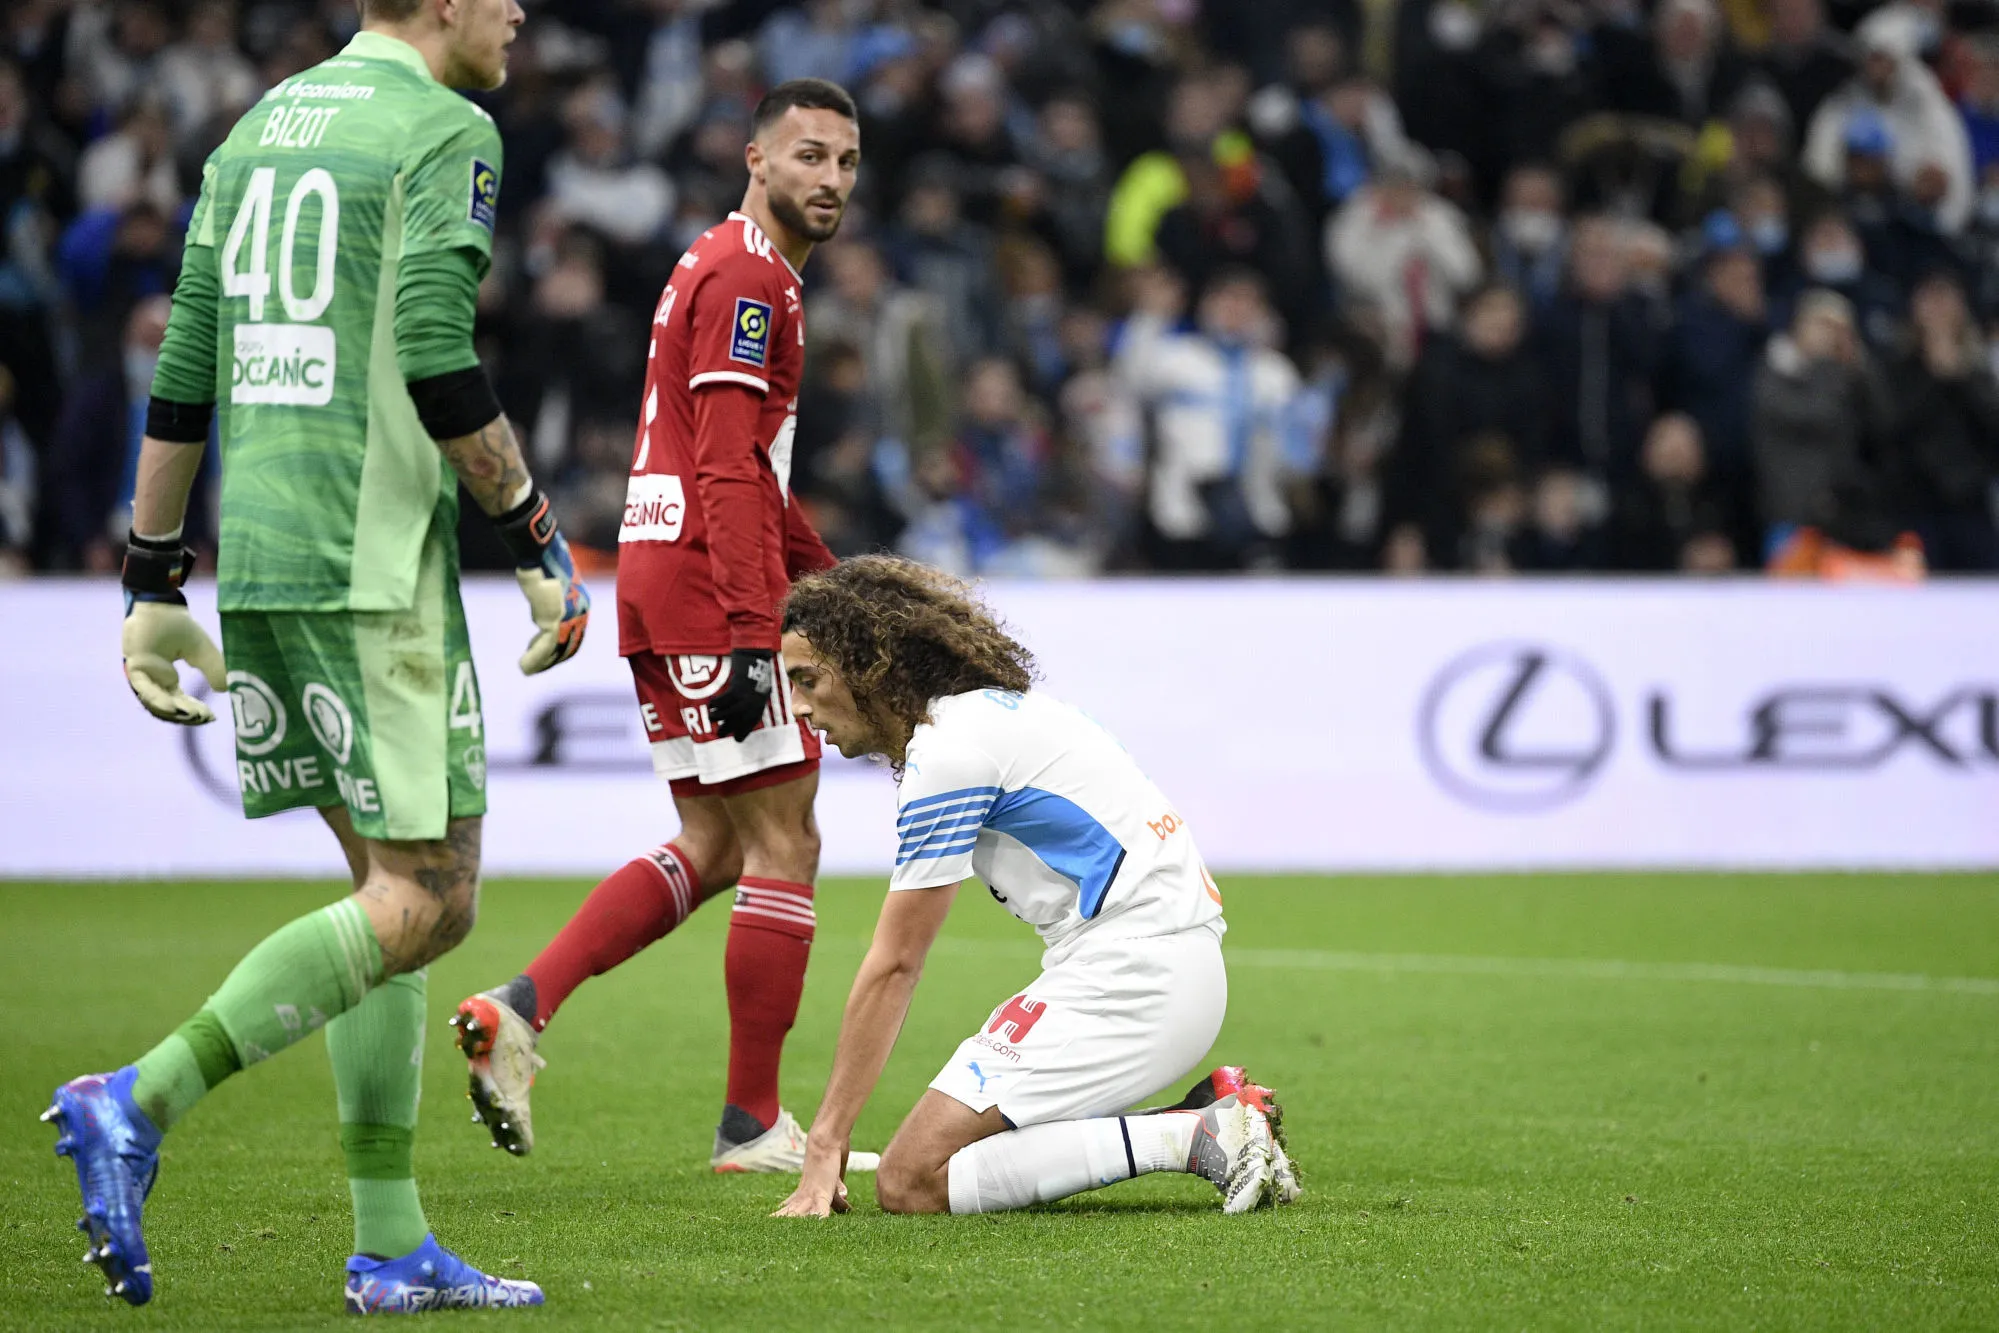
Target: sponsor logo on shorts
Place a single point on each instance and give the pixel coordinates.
(984, 1076)
(332, 725)
(997, 1047)
(749, 336)
(1018, 1016)
(259, 714)
(474, 760)
(696, 676)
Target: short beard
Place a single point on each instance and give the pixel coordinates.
(792, 215)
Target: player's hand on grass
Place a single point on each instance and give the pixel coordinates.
(557, 599)
(739, 709)
(820, 1192)
(159, 631)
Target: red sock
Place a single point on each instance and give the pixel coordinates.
(770, 935)
(637, 904)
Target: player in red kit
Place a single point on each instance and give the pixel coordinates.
(710, 542)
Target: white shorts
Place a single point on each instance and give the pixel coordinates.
(1097, 1033)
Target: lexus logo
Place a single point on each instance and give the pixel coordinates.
(1516, 727)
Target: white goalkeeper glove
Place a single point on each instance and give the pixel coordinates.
(557, 599)
(159, 632)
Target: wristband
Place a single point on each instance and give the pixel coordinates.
(154, 570)
(527, 529)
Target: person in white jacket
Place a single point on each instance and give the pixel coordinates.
(1929, 152)
(1223, 404)
(1398, 247)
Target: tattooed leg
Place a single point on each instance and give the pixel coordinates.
(422, 897)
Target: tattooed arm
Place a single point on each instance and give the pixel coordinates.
(489, 462)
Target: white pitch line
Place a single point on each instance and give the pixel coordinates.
(1608, 969)
(1583, 969)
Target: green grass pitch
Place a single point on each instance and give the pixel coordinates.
(1719, 1102)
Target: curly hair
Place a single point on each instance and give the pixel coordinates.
(903, 634)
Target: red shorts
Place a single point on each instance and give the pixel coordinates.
(674, 691)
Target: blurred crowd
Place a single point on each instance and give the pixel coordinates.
(1473, 285)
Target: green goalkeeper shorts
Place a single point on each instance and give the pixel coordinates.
(374, 710)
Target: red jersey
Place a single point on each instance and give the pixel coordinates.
(702, 563)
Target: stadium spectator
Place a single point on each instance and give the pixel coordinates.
(833, 463)
(1222, 401)
(17, 486)
(1327, 127)
(901, 336)
(114, 50)
(1805, 59)
(1598, 347)
(1674, 515)
(1240, 217)
(999, 518)
(1708, 370)
(1895, 101)
(97, 443)
(205, 79)
(1819, 408)
(1154, 181)
(974, 135)
(1681, 70)
(1831, 256)
(1469, 389)
(1946, 430)
(1530, 235)
(1067, 148)
(937, 250)
(132, 165)
(595, 181)
(813, 40)
(1400, 250)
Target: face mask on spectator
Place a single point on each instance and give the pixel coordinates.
(1534, 230)
(1552, 55)
(1455, 27)
(1769, 235)
(1834, 267)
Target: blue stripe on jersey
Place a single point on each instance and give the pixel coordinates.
(924, 802)
(942, 825)
(923, 833)
(938, 850)
(1066, 837)
(976, 808)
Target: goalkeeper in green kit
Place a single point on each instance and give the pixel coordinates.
(324, 318)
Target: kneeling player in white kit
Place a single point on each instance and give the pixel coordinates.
(892, 658)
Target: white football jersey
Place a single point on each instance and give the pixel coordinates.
(1041, 803)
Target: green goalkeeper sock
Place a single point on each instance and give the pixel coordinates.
(377, 1053)
(303, 974)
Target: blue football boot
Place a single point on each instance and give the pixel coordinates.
(429, 1277)
(117, 1154)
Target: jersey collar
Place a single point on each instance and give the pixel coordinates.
(751, 223)
(381, 46)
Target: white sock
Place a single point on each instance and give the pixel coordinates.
(1043, 1163)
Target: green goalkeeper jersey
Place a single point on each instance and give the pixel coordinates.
(333, 255)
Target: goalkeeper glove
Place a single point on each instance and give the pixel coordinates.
(159, 632)
(559, 603)
(739, 709)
